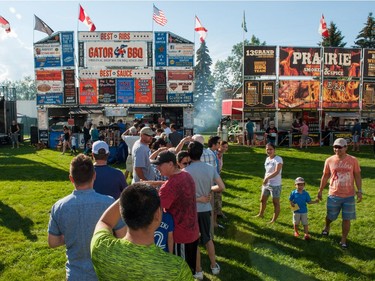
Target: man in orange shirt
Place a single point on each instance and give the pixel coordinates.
(343, 171)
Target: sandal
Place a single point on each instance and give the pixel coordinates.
(325, 233)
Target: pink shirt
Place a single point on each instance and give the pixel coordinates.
(304, 129)
(342, 175)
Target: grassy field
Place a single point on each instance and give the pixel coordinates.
(248, 248)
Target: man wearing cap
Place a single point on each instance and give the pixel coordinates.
(177, 196)
(343, 171)
(109, 181)
(142, 169)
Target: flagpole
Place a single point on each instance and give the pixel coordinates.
(153, 57)
(243, 79)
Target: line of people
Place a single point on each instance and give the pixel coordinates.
(176, 212)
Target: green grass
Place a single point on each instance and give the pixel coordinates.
(247, 249)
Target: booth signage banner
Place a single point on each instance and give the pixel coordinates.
(259, 60)
(115, 73)
(160, 48)
(49, 99)
(88, 92)
(299, 94)
(368, 95)
(67, 48)
(313, 139)
(88, 36)
(180, 86)
(115, 111)
(124, 54)
(180, 98)
(160, 86)
(70, 96)
(47, 50)
(125, 91)
(180, 61)
(340, 94)
(143, 91)
(49, 86)
(369, 64)
(48, 75)
(188, 115)
(107, 91)
(340, 62)
(175, 74)
(299, 61)
(46, 62)
(175, 49)
(260, 94)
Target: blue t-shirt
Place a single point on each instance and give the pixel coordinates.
(301, 199)
(161, 234)
(109, 181)
(75, 216)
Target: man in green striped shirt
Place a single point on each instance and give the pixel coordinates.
(134, 257)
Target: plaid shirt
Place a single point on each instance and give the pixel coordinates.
(209, 157)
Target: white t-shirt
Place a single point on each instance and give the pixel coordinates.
(271, 165)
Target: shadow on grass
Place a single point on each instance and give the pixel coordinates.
(10, 219)
(15, 168)
(275, 243)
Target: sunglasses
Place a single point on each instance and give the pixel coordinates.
(185, 163)
(338, 147)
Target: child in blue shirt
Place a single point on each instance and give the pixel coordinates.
(163, 236)
(299, 198)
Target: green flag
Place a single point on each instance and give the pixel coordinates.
(244, 22)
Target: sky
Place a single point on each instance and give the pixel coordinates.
(280, 23)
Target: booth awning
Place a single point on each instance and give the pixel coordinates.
(232, 107)
(86, 110)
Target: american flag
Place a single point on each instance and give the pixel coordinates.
(159, 16)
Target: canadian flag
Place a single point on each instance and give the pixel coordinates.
(200, 29)
(4, 24)
(83, 17)
(323, 28)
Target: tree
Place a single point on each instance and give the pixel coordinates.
(366, 37)
(25, 89)
(334, 39)
(204, 88)
(228, 73)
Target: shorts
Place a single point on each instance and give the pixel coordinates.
(204, 221)
(218, 203)
(250, 136)
(304, 138)
(300, 217)
(187, 251)
(275, 191)
(129, 163)
(345, 205)
(355, 138)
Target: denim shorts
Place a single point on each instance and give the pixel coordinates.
(345, 205)
(275, 191)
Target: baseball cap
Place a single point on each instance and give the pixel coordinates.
(340, 142)
(164, 157)
(147, 131)
(198, 138)
(299, 180)
(100, 145)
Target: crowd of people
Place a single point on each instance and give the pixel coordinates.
(154, 226)
(175, 178)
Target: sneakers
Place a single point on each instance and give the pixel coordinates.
(306, 237)
(215, 270)
(344, 246)
(296, 234)
(198, 275)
